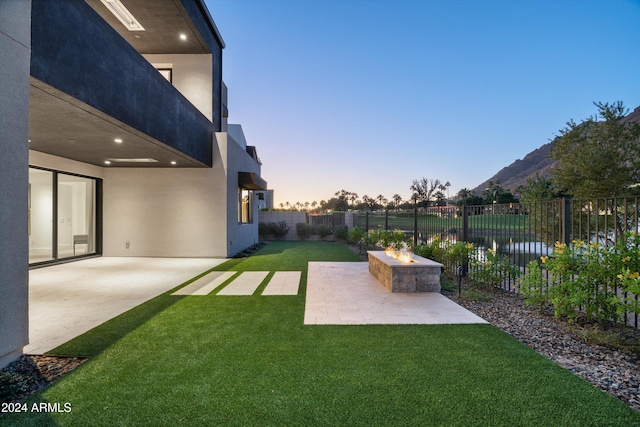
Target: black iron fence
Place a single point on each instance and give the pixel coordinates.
(518, 231)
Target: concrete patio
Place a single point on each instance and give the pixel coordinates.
(67, 300)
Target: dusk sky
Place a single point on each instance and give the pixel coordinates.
(367, 95)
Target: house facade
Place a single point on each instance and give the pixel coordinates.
(115, 141)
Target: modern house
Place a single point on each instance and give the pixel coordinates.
(114, 141)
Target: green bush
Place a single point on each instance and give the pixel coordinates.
(324, 230)
(304, 231)
(533, 285)
(279, 229)
(601, 283)
(494, 269)
(386, 238)
(342, 233)
(276, 230)
(356, 235)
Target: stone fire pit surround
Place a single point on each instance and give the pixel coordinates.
(419, 275)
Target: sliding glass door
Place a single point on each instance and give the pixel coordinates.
(63, 215)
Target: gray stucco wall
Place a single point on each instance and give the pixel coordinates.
(15, 51)
(239, 236)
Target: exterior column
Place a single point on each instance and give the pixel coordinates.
(15, 57)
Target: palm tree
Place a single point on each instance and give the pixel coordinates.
(353, 197)
(396, 200)
(382, 200)
(464, 193)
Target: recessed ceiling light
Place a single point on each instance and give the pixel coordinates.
(183, 36)
(118, 140)
(107, 162)
(173, 162)
(71, 140)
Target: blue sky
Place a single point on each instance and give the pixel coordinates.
(367, 95)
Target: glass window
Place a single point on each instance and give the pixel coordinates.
(245, 206)
(76, 215)
(40, 214)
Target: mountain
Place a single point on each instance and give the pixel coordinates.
(538, 161)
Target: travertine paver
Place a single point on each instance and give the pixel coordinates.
(345, 293)
(244, 284)
(283, 283)
(205, 284)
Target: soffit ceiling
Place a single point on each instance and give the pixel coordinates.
(163, 22)
(63, 126)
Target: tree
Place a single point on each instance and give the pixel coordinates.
(537, 189)
(424, 190)
(598, 158)
(382, 200)
(464, 193)
(397, 199)
(493, 191)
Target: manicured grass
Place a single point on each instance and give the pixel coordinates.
(213, 360)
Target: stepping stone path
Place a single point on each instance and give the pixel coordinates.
(246, 283)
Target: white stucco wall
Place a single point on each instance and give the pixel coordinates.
(164, 212)
(171, 212)
(192, 75)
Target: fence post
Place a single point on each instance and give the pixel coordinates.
(386, 219)
(465, 237)
(415, 225)
(566, 220)
(366, 221)
(465, 223)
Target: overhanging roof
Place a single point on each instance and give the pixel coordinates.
(65, 126)
(163, 22)
(251, 181)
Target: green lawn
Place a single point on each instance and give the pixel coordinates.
(213, 360)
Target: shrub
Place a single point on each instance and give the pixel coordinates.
(278, 229)
(494, 269)
(356, 235)
(342, 233)
(533, 284)
(304, 231)
(386, 238)
(602, 283)
(264, 229)
(324, 230)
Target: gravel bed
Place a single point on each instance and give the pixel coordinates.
(614, 370)
(29, 374)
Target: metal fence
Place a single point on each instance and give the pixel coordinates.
(521, 232)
